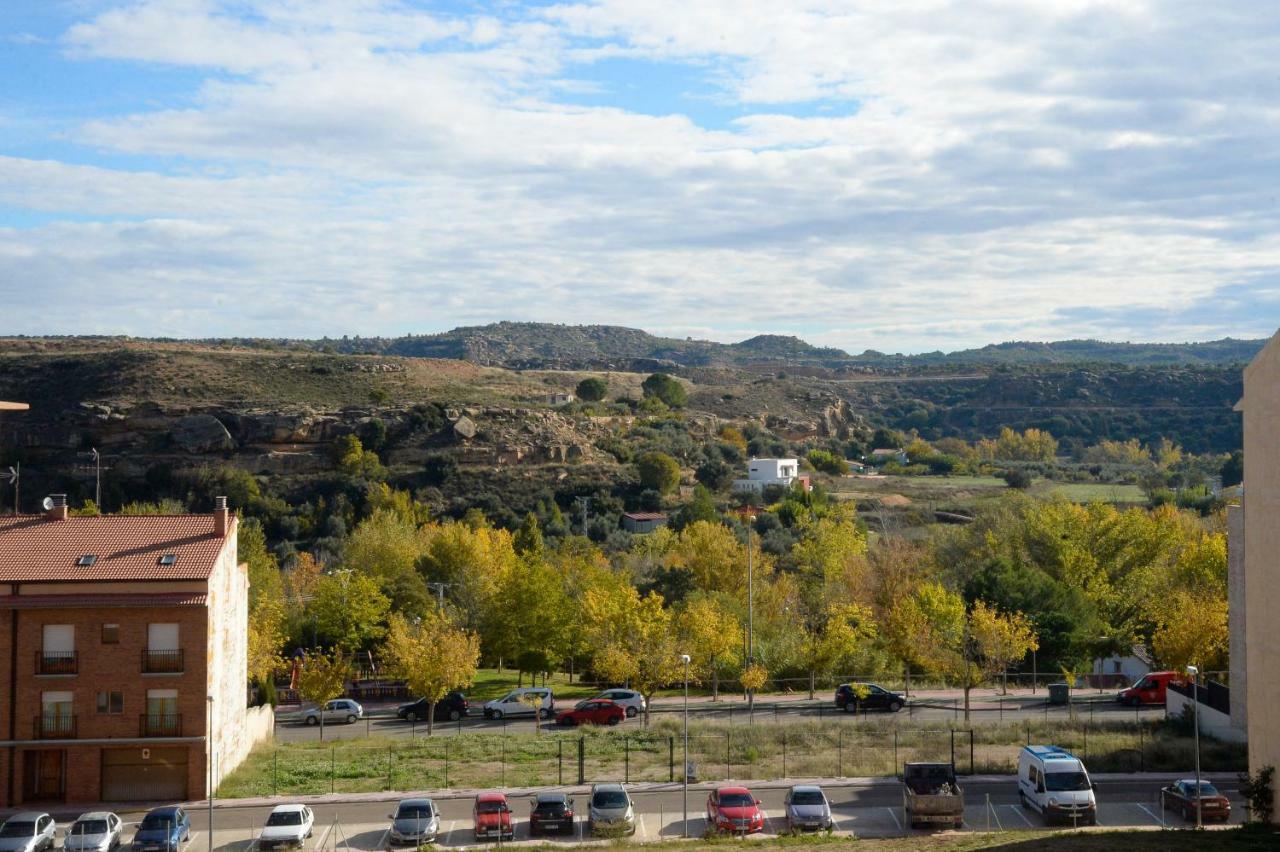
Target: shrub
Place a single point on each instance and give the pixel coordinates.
(658, 471)
(1017, 478)
(592, 389)
(665, 388)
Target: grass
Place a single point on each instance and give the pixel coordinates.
(838, 748)
(1228, 840)
(1098, 492)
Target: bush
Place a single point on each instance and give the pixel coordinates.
(592, 389)
(658, 471)
(665, 388)
(1017, 478)
(828, 462)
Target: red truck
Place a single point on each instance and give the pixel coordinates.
(1150, 689)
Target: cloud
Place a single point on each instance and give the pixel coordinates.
(900, 176)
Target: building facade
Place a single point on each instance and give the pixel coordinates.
(762, 473)
(123, 649)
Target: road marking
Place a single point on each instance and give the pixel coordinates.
(382, 843)
(1154, 818)
(448, 834)
(1017, 809)
(644, 829)
(893, 813)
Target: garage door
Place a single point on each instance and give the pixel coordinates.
(144, 774)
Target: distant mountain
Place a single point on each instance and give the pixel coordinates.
(1225, 351)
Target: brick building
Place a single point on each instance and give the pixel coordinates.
(120, 638)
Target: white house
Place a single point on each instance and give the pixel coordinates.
(765, 472)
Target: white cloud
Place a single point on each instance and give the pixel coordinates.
(971, 170)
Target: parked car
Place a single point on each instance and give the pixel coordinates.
(931, 795)
(1149, 689)
(611, 810)
(512, 705)
(96, 831)
(550, 813)
(451, 708)
(807, 809)
(338, 710)
(1054, 782)
(877, 698)
(593, 711)
(733, 810)
(162, 830)
(492, 817)
(415, 822)
(287, 825)
(631, 701)
(27, 831)
(1181, 797)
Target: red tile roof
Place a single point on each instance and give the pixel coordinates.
(645, 516)
(101, 601)
(33, 548)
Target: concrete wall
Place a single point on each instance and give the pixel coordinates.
(227, 655)
(1261, 407)
(1212, 722)
(1236, 615)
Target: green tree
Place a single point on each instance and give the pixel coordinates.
(658, 471)
(840, 633)
(633, 637)
(711, 634)
(592, 389)
(323, 677)
(387, 547)
(349, 610)
(433, 656)
(665, 388)
(355, 461)
(828, 462)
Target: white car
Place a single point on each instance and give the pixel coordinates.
(96, 831)
(287, 825)
(337, 710)
(521, 702)
(629, 699)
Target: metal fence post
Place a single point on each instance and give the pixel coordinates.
(582, 760)
(971, 769)
(671, 760)
(728, 765)
(1141, 749)
(446, 763)
(275, 778)
(333, 766)
(626, 760)
(784, 752)
(389, 759)
(560, 762)
(839, 752)
(895, 752)
(503, 771)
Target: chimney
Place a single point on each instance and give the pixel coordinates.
(221, 517)
(56, 507)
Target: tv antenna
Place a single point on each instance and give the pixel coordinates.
(95, 467)
(11, 475)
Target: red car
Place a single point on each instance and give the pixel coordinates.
(594, 711)
(492, 817)
(733, 810)
(1150, 689)
(1181, 797)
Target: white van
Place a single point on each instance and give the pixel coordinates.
(520, 702)
(1054, 782)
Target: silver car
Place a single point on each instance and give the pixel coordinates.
(631, 701)
(338, 710)
(611, 810)
(96, 831)
(807, 809)
(28, 831)
(415, 822)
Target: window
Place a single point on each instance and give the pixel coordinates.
(111, 634)
(162, 637)
(168, 559)
(87, 560)
(111, 702)
(57, 650)
(162, 706)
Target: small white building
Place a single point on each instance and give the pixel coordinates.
(1121, 670)
(764, 472)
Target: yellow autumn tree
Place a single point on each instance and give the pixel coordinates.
(432, 656)
(711, 633)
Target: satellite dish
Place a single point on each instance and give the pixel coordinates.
(47, 503)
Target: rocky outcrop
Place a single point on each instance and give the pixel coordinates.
(201, 433)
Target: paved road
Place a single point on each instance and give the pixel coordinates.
(382, 722)
(866, 810)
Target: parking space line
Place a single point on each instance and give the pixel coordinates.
(448, 834)
(644, 829)
(893, 813)
(1017, 809)
(382, 842)
(1154, 818)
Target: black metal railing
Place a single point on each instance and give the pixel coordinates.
(162, 662)
(57, 662)
(160, 725)
(50, 727)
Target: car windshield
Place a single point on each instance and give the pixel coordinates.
(1064, 782)
(551, 807)
(18, 829)
(90, 826)
(807, 797)
(156, 823)
(609, 799)
(736, 800)
(1206, 789)
(490, 807)
(413, 812)
(285, 818)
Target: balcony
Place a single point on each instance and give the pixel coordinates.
(162, 662)
(57, 662)
(160, 725)
(50, 727)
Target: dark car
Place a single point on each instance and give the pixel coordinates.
(876, 698)
(594, 711)
(162, 830)
(1181, 797)
(551, 813)
(451, 708)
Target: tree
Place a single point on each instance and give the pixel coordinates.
(712, 635)
(633, 638)
(592, 389)
(266, 602)
(828, 462)
(386, 546)
(714, 557)
(658, 471)
(999, 639)
(665, 388)
(1193, 630)
(532, 616)
(1017, 478)
(433, 656)
(355, 461)
(528, 539)
(323, 677)
(838, 633)
(350, 610)
(1233, 469)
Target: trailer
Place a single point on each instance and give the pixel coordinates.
(931, 796)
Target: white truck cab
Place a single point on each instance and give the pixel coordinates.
(1054, 782)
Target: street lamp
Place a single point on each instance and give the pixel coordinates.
(751, 606)
(684, 658)
(209, 698)
(1195, 707)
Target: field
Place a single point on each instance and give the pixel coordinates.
(1098, 492)
(1235, 840)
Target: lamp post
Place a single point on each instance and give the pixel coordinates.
(751, 607)
(209, 698)
(1195, 708)
(684, 658)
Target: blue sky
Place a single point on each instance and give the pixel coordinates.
(869, 174)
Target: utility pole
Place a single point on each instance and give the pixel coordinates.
(583, 503)
(1194, 671)
(684, 658)
(751, 610)
(211, 754)
(439, 590)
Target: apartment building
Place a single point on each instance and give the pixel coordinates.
(122, 648)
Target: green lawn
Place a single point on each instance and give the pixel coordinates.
(490, 684)
(1097, 492)
(1228, 840)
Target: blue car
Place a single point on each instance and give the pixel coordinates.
(162, 830)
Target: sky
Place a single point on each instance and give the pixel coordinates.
(887, 174)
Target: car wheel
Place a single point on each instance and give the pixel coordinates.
(544, 713)
(895, 706)
(631, 712)
(311, 720)
(454, 715)
(613, 720)
(411, 716)
(351, 720)
(851, 707)
(497, 714)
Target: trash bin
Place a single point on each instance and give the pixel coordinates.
(1059, 693)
